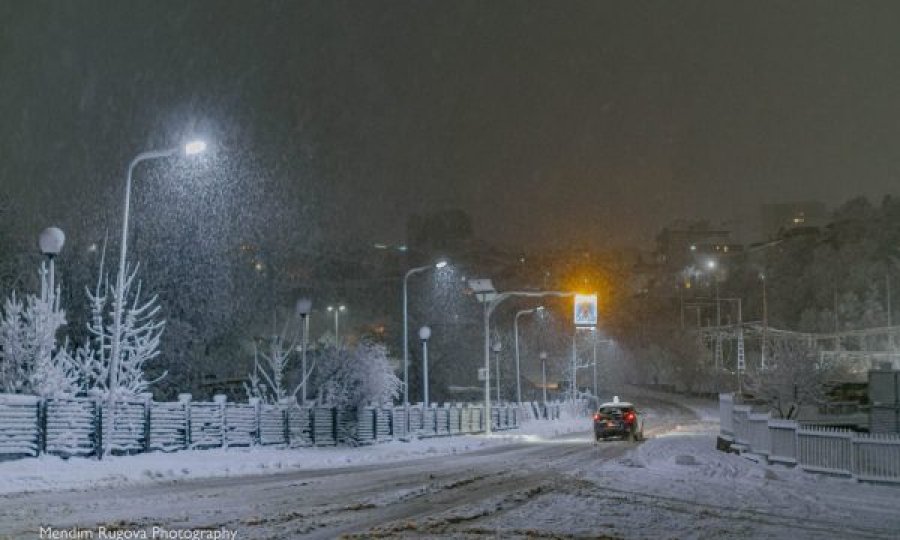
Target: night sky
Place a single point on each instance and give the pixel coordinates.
(549, 122)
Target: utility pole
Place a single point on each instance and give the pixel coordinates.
(765, 331)
(887, 284)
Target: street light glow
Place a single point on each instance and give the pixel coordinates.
(441, 264)
(711, 264)
(194, 147)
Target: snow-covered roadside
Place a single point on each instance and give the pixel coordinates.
(54, 473)
(683, 466)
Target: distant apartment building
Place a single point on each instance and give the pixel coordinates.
(779, 219)
(687, 243)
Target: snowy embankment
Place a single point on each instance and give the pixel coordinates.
(677, 485)
(54, 473)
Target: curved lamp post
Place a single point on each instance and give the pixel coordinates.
(497, 347)
(440, 264)
(490, 299)
(189, 149)
(425, 335)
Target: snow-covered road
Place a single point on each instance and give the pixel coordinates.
(675, 485)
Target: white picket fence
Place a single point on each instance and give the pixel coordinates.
(873, 457)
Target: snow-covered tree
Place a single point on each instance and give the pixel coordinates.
(355, 376)
(32, 360)
(139, 337)
(270, 363)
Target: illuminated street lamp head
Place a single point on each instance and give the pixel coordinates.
(441, 264)
(711, 264)
(539, 308)
(51, 241)
(330, 308)
(194, 147)
(342, 308)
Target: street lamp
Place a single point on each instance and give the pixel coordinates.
(490, 299)
(516, 341)
(189, 149)
(497, 347)
(51, 242)
(543, 356)
(337, 311)
(438, 265)
(303, 307)
(424, 335)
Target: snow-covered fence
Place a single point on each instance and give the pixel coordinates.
(400, 422)
(442, 421)
(30, 426)
(300, 426)
(822, 449)
(273, 424)
(758, 433)
(324, 426)
(740, 424)
(726, 406)
(871, 457)
(125, 425)
(207, 422)
(782, 441)
(169, 424)
(71, 426)
(429, 419)
(240, 423)
(383, 424)
(20, 417)
(876, 457)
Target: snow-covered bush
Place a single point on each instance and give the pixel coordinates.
(353, 377)
(32, 360)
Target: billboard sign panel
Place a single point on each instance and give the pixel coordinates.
(585, 310)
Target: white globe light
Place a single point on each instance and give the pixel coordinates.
(424, 333)
(51, 241)
(304, 306)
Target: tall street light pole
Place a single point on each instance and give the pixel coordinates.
(440, 264)
(497, 348)
(192, 148)
(304, 306)
(544, 375)
(424, 335)
(490, 299)
(337, 325)
(516, 341)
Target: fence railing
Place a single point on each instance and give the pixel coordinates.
(871, 457)
(30, 426)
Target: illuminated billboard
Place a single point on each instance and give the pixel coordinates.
(585, 310)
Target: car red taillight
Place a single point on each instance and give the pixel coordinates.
(596, 417)
(629, 417)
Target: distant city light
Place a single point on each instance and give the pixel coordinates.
(441, 264)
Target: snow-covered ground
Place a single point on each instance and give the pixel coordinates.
(677, 485)
(51, 472)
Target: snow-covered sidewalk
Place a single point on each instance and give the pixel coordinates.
(54, 473)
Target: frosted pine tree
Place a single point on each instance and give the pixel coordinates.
(32, 361)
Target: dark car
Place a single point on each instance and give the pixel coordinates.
(618, 419)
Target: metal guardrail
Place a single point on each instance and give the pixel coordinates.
(873, 457)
